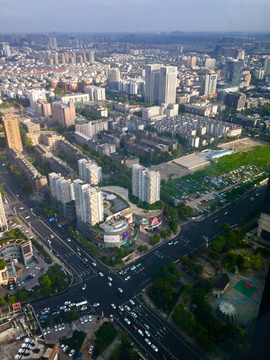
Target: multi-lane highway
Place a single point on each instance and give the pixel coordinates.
(131, 279)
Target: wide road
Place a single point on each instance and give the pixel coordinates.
(91, 272)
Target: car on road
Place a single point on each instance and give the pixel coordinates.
(101, 274)
(113, 306)
(109, 278)
(127, 321)
(95, 304)
(127, 278)
(176, 242)
(252, 199)
(119, 312)
(94, 264)
(83, 308)
(133, 267)
(71, 305)
(147, 341)
(120, 290)
(154, 348)
(134, 314)
(170, 243)
(132, 302)
(62, 307)
(216, 221)
(147, 333)
(216, 217)
(67, 309)
(127, 307)
(135, 327)
(84, 287)
(140, 332)
(226, 212)
(68, 239)
(151, 257)
(146, 326)
(21, 208)
(66, 302)
(110, 284)
(85, 259)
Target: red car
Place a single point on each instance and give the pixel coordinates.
(216, 217)
(134, 327)
(151, 257)
(119, 312)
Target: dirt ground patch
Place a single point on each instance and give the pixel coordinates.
(242, 145)
(169, 169)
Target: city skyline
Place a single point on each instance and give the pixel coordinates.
(107, 16)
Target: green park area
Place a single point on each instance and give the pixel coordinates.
(200, 181)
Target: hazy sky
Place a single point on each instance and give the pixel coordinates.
(133, 15)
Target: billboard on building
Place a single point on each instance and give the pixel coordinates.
(126, 235)
(111, 238)
(156, 220)
(26, 249)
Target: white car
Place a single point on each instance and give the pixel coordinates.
(90, 318)
(71, 305)
(154, 348)
(147, 341)
(120, 290)
(62, 307)
(109, 278)
(127, 307)
(110, 284)
(127, 278)
(132, 302)
(170, 243)
(147, 333)
(101, 274)
(140, 332)
(48, 330)
(66, 302)
(67, 309)
(84, 287)
(63, 326)
(176, 242)
(85, 259)
(127, 321)
(113, 306)
(82, 321)
(55, 328)
(133, 314)
(21, 208)
(68, 239)
(226, 212)
(94, 264)
(59, 327)
(121, 308)
(95, 304)
(133, 267)
(71, 352)
(59, 225)
(44, 332)
(83, 308)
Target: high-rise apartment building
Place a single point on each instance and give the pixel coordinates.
(35, 95)
(12, 132)
(152, 84)
(210, 63)
(160, 84)
(89, 171)
(61, 188)
(113, 78)
(234, 72)
(91, 56)
(5, 49)
(88, 202)
(210, 83)
(167, 84)
(53, 43)
(145, 184)
(96, 93)
(3, 219)
(43, 108)
(266, 66)
(65, 114)
(55, 59)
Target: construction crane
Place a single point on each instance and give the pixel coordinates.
(20, 105)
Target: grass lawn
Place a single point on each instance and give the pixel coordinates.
(76, 341)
